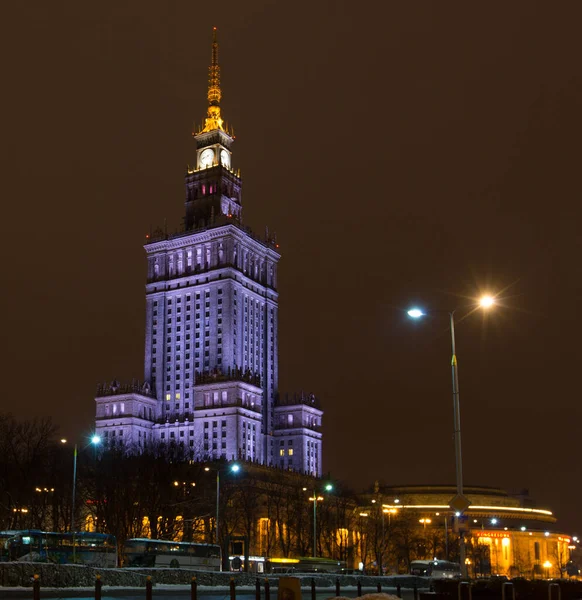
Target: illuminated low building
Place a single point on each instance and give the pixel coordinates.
(506, 534)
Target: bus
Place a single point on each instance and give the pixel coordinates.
(305, 564)
(31, 545)
(5, 535)
(143, 552)
(435, 569)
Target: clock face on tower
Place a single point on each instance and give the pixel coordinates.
(225, 158)
(206, 158)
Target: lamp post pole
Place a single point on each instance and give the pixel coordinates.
(314, 524)
(457, 436)
(73, 501)
(446, 539)
(328, 488)
(234, 468)
(383, 542)
(459, 503)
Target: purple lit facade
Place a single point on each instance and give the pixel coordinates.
(211, 340)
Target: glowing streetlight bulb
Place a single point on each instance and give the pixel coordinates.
(415, 313)
(486, 301)
(95, 440)
(235, 468)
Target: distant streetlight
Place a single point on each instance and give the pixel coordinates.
(327, 488)
(486, 301)
(234, 468)
(416, 313)
(547, 567)
(95, 440)
(425, 522)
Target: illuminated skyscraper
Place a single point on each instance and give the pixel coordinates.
(211, 342)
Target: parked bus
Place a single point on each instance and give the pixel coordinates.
(435, 569)
(31, 545)
(5, 535)
(305, 565)
(143, 552)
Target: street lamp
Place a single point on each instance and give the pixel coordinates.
(459, 502)
(234, 468)
(389, 512)
(327, 488)
(95, 440)
(547, 567)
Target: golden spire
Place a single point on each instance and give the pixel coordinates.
(214, 120)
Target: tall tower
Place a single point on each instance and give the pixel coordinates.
(212, 188)
(211, 341)
(212, 306)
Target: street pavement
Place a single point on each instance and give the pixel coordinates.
(183, 593)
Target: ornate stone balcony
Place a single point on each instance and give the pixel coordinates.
(282, 426)
(159, 235)
(247, 376)
(116, 388)
(230, 403)
(298, 398)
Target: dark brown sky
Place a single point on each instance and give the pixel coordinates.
(401, 150)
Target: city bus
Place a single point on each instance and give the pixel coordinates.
(5, 535)
(305, 564)
(143, 552)
(435, 569)
(31, 545)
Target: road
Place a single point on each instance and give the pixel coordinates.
(181, 593)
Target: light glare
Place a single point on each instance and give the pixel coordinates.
(415, 313)
(487, 301)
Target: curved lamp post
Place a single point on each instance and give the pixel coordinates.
(459, 502)
(95, 441)
(327, 488)
(234, 468)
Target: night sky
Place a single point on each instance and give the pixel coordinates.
(404, 152)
